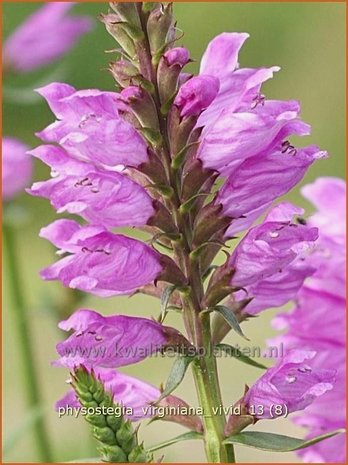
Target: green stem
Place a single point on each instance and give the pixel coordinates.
(208, 390)
(25, 346)
(197, 325)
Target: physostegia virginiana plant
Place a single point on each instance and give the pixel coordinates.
(196, 162)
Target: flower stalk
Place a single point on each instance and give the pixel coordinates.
(31, 383)
(176, 134)
(197, 325)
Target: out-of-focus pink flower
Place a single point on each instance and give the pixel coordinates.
(292, 384)
(318, 320)
(107, 198)
(44, 37)
(90, 128)
(100, 262)
(328, 195)
(16, 167)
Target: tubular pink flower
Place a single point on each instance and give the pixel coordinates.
(293, 384)
(111, 341)
(107, 198)
(269, 248)
(90, 128)
(101, 263)
(221, 55)
(44, 37)
(273, 175)
(16, 167)
(237, 136)
(328, 195)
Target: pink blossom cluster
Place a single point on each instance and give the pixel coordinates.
(318, 320)
(192, 160)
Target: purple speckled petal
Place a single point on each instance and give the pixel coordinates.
(268, 248)
(101, 263)
(111, 341)
(109, 199)
(292, 383)
(273, 175)
(89, 127)
(235, 137)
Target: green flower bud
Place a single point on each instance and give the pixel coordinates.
(114, 421)
(160, 27)
(116, 29)
(113, 454)
(104, 435)
(126, 437)
(138, 455)
(117, 439)
(127, 11)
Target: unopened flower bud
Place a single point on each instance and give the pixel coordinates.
(180, 130)
(160, 27)
(113, 454)
(162, 218)
(196, 95)
(138, 455)
(177, 56)
(118, 31)
(169, 70)
(124, 73)
(127, 11)
(118, 442)
(142, 105)
(126, 438)
(210, 221)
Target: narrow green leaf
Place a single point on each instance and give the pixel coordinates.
(176, 375)
(183, 437)
(236, 353)
(186, 207)
(231, 319)
(152, 135)
(196, 253)
(165, 298)
(275, 442)
(166, 191)
(208, 271)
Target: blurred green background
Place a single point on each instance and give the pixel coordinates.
(308, 41)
